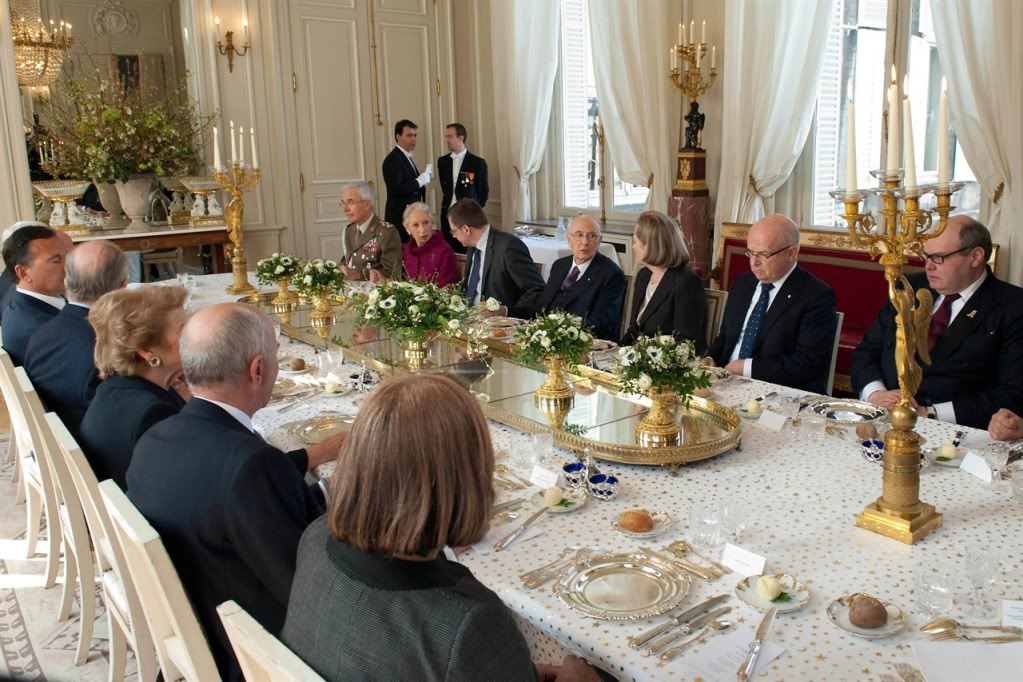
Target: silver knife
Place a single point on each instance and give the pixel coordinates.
(637, 642)
(687, 629)
(746, 669)
(503, 542)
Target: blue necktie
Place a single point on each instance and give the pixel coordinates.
(756, 321)
(474, 277)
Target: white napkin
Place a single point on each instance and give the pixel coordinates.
(957, 661)
(486, 545)
(311, 380)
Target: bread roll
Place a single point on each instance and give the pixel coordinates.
(867, 612)
(297, 364)
(866, 431)
(753, 406)
(636, 520)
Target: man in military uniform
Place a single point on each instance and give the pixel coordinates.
(371, 248)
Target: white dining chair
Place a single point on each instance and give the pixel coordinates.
(6, 377)
(126, 620)
(181, 645)
(263, 657)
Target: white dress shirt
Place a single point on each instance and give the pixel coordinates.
(56, 301)
(408, 155)
(482, 248)
(747, 365)
(943, 411)
(243, 419)
(456, 168)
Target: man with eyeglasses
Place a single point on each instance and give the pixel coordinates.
(370, 247)
(587, 283)
(779, 323)
(975, 338)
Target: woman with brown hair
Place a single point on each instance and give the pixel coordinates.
(374, 597)
(669, 297)
(137, 333)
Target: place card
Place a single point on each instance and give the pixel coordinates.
(543, 478)
(720, 657)
(743, 561)
(1012, 613)
(975, 464)
(772, 421)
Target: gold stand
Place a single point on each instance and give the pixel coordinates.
(898, 513)
(555, 399)
(658, 427)
(239, 180)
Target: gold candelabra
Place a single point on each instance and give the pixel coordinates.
(899, 513)
(236, 181)
(685, 70)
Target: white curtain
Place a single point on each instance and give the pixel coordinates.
(525, 40)
(638, 107)
(772, 64)
(980, 47)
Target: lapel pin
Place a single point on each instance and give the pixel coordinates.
(972, 314)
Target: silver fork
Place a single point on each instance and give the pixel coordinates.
(553, 568)
(956, 634)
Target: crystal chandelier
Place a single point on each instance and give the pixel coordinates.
(39, 51)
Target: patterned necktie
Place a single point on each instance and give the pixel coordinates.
(940, 321)
(756, 321)
(573, 275)
(474, 277)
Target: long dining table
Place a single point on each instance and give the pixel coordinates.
(800, 493)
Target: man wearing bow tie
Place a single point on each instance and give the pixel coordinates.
(587, 283)
(405, 184)
(975, 336)
(463, 175)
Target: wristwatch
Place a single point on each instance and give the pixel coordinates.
(932, 412)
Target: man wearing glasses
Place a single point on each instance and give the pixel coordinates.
(779, 323)
(975, 337)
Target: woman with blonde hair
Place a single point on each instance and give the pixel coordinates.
(137, 333)
(374, 597)
(669, 297)
(427, 256)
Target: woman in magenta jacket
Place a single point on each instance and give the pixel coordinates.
(427, 256)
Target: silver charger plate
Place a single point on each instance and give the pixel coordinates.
(625, 586)
(838, 614)
(848, 411)
(319, 429)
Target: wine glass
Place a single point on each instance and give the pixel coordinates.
(706, 521)
(935, 590)
(981, 570)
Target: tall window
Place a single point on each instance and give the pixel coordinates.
(580, 158)
(857, 64)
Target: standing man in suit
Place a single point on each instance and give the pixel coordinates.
(779, 323)
(371, 247)
(498, 265)
(463, 175)
(35, 255)
(975, 337)
(587, 283)
(59, 360)
(405, 184)
(229, 507)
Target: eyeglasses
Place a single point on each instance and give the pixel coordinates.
(353, 202)
(764, 256)
(939, 258)
(585, 236)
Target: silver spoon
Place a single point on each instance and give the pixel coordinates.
(717, 626)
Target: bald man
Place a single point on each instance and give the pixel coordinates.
(975, 335)
(587, 283)
(59, 360)
(779, 323)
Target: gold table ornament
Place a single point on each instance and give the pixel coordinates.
(236, 182)
(898, 513)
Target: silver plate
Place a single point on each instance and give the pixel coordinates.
(319, 429)
(629, 586)
(848, 411)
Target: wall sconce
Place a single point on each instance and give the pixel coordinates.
(227, 48)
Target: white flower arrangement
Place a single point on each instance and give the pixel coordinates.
(412, 311)
(661, 363)
(278, 266)
(318, 277)
(557, 334)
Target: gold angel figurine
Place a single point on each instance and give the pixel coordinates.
(911, 328)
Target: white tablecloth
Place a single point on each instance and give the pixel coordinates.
(801, 496)
(546, 250)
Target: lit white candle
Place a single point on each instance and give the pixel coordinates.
(850, 149)
(241, 144)
(216, 22)
(692, 30)
(892, 164)
(943, 136)
(681, 38)
(908, 153)
(713, 57)
(672, 57)
(703, 33)
(245, 27)
(255, 156)
(234, 149)
(216, 149)
(696, 49)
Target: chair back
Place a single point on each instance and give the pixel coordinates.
(716, 300)
(11, 383)
(630, 290)
(27, 412)
(839, 318)
(263, 657)
(72, 515)
(180, 641)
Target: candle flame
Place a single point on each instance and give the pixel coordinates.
(216, 20)
(944, 84)
(894, 79)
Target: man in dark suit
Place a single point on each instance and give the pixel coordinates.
(587, 283)
(975, 337)
(35, 255)
(59, 360)
(7, 284)
(405, 184)
(497, 264)
(779, 323)
(229, 507)
(462, 175)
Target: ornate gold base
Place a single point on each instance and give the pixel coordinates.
(236, 290)
(554, 409)
(658, 428)
(203, 221)
(180, 218)
(322, 316)
(415, 354)
(905, 530)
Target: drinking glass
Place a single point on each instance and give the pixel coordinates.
(981, 570)
(706, 521)
(935, 591)
(812, 427)
(543, 449)
(1016, 473)
(735, 517)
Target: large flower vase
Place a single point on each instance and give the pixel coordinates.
(285, 296)
(555, 398)
(111, 200)
(134, 195)
(414, 352)
(658, 428)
